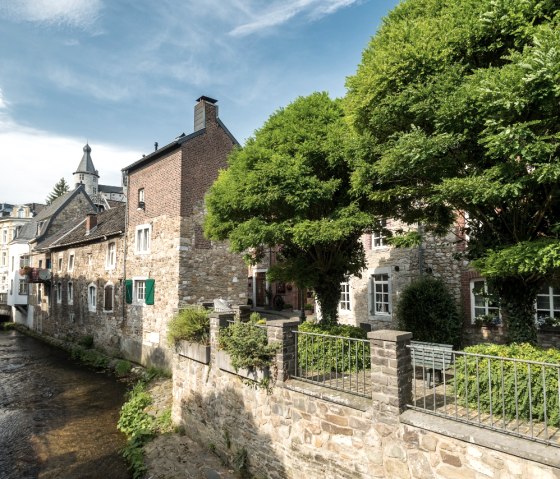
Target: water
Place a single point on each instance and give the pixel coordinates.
(57, 418)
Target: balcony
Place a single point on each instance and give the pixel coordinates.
(35, 275)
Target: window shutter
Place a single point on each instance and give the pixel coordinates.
(128, 290)
(371, 299)
(150, 289)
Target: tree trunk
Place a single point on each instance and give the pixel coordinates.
(517, 302)
(328, 297)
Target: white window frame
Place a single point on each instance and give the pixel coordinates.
(23, 287)
(345, 303)
(373, 282)
(139, 286)
(92, 297)
(4, 258)
(111, 259)
(60, 261)
(112, 286)
(4, 236)
(70, 292)
(59, 292)
(139, 241)
(551, 311)
(377, 237)
(487, 308)
(71, 261)
(140, 195)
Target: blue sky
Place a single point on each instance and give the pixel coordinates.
(123, 74)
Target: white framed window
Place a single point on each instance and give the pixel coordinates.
(4, 236)
(139, 291)
(59, 262)
(92, 297)
(111, 259)
(378, 238)
(23, 287)
(90, 260)
(24, 261)
(344, 304)
(141, 195)
(70, 291)
(143, 239)
(4, 258)
(482, 303)
(548, 302)
(108, 295)
(59, 292)
(380, 293)
(20, 212)
(71, 259)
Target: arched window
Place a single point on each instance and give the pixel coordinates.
(92, 297)
(108, 294)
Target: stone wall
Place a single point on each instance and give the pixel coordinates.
(302, 430)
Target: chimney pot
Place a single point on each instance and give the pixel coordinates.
(91, 222)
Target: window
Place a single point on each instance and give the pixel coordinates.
(13, 262)
(22, 286)
(59, 262)
(378, 235)
(482, 302)
(24, 261)
(94, 190)
(20, 213)
(71, 256)
(140, 291)
(90, 259)
(4, 236)
(108, 297)
(344, 296)
(143, 233)
(548, 303)
(92, 298)
(70, 292)
(81, 177)
(59, 292)
(111, 256)
(141, 195)
(380, 297)
(4, 258)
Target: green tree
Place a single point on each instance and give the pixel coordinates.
(60, 188)
(457, 104)
(289, 188)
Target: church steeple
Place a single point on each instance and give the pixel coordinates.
(86, 173)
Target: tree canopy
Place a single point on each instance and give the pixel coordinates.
(457, 103)
(60, 188)
(289, 188)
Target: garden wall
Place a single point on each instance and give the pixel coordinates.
(298, 429)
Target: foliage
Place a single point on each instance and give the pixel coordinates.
(510, 383)
(457, 106)
(60, 188)
(89, 357)
(190, 324)
(487, 320)
(288, 188)
(320, 354)
(86, 341)
(7, 326)
(427, 309)
(308, 307)
(247, 345)
(123, 367)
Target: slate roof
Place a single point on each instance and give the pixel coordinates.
(109, 223)
(110, 189)
(47, 214)
(86, 164)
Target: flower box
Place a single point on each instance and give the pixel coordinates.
(198, 352)
(255, 374)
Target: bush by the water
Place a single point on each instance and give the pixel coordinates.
(191, 324)
(427, 309)
(323, 354)
(510, 388)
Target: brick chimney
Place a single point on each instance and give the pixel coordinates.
(205, 111)
(91, 222)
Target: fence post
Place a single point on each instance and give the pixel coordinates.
(217, 321)
(281, 331)
(391, 372)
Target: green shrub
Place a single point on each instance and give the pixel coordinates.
(123, 367)
(505, 384)
(256, 318)
(133, 419)
(321, 354)
(247, 345)
(191, 324)
(89, 357)
(86, 341)
(428, 311)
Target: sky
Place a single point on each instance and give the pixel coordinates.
(123, 74)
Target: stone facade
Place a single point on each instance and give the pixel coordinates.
(301, 430)
(166, 202)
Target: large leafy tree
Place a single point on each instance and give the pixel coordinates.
(458, 106)
(60, 188)
(289, 188)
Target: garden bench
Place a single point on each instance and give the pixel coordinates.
(432, 357)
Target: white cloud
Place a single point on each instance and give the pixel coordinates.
(282, 11)
(37, 159)
(3, 104)
(74, 13)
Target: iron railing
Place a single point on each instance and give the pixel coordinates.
(514, 396)
(334, 362)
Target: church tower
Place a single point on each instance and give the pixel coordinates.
(87, 174)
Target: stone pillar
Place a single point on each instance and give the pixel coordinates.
(391, 373)
(282, 331)
(217, 321)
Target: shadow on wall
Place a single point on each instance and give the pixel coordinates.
(224, 424)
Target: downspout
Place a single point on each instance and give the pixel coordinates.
(125, 247)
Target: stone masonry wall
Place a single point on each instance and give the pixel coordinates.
(299, 430)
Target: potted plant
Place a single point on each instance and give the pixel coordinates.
(487, 322)
(189, 332)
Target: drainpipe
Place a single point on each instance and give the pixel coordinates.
(125, 247)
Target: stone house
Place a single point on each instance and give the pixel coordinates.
(169, 263)
(86, 287)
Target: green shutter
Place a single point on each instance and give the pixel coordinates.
(128, 290)
(150, 289)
